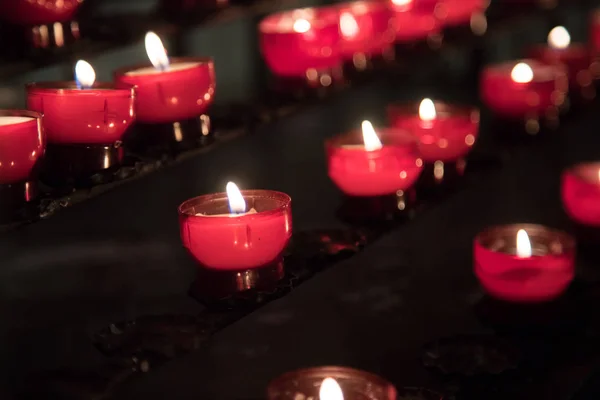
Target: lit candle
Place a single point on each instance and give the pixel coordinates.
(524, 263)
(517, 89)
(169, 89)
(581, 193)
(330, 390)
(220, 234)
(360, 165)
(575, 57)
(445, 132)
(85, 76)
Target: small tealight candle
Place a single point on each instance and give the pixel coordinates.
(169, 89)
(365, 167)
(524, 263)
(581, 193)
(330, 383)
(576, 57)
(518, 89)
(301, 42)
(444, 132)
(253, 234)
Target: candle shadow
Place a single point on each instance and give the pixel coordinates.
(173, 138)
(378, 210)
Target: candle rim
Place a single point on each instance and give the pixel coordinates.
(400, 138)
(507, 67)
(63, 87)
(270, 23)
(536, 233)
(444, 110)
(21, 113)
(200, 61)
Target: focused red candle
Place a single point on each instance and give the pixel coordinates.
(330, 383)
(22, 144)
(84, 111)
(169, 90)
(413, 23)
(524, 263)
(517, 89)
(444, 132)
(366, 28)
(38, 12)
(360, 165)
(581, 193)
(237, 231)
(575, 57)
(299, 43)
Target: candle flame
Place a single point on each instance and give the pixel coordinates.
(401, 2)
(370, 137)
(348, 25)
(330, 390)
(85, 76)
(522, 73)
(156, 52)
(427, 110)
(237, 204)
(523, 244)
(559, 38)
(301, 25)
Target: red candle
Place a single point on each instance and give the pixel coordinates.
(581, 193)
(366, 168)
(366, 28)
(22, 144)
(444, 132)
(38, 12)
(413, 23)
(83, 111)
(169, 90)
(236, 230)
(524, 263)
(517, 89)
(299, 43)
(575, 57)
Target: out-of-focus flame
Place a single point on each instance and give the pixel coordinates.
(301, 25)
(237, 204)
(523, 244)
(156, 52)
(522, 73)
(85, 76)
(348, 25)
(330, 390)
(559, 38)
(370, 137)
(402, 2)
(427, 110)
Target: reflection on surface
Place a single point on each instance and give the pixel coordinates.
(379, 209)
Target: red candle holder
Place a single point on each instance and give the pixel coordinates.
(527, 98)
(353, 383)
(220, 241)
(581, 193)
(48, 22)
(367, 30)
(575, 58)
(22, 145)
(448, 135)
(302, 44)
(543, 276)
(84, 127)
(413, 23)
(357, 172)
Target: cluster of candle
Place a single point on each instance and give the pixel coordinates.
(304, 42)
(85, 113)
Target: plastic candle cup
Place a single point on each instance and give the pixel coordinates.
(330, 383)
(524, 262)
(575, 57)
(581, 193)
(302, 44)
(413, 23)
(84, 122)
(360, 165)
(22, 145)
(524, 88)
(237, 230)
(444, 132)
